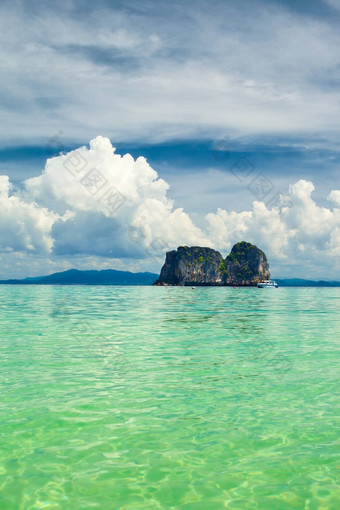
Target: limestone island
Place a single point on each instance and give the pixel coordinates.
(246, 265)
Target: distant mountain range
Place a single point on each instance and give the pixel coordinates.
(76, 277)
(113, 277)
(299, 282)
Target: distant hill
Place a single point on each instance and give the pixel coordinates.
(299, 282)
(76, 277)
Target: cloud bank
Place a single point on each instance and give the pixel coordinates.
(94, 203)
(156, 73)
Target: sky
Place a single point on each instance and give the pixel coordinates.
(130, 128)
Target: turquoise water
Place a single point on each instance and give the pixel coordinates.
(169, 398)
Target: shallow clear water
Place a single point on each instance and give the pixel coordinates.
(169, 398)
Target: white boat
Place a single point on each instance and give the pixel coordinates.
(270, 284)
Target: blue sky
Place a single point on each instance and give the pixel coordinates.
(174, 83)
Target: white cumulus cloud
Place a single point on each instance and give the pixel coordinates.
(301, 235)
(334, 196)
(24, 226)
(119, 202)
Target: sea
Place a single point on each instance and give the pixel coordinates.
(170, 398)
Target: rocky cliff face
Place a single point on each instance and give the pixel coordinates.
(245, 265)
(191, 266)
